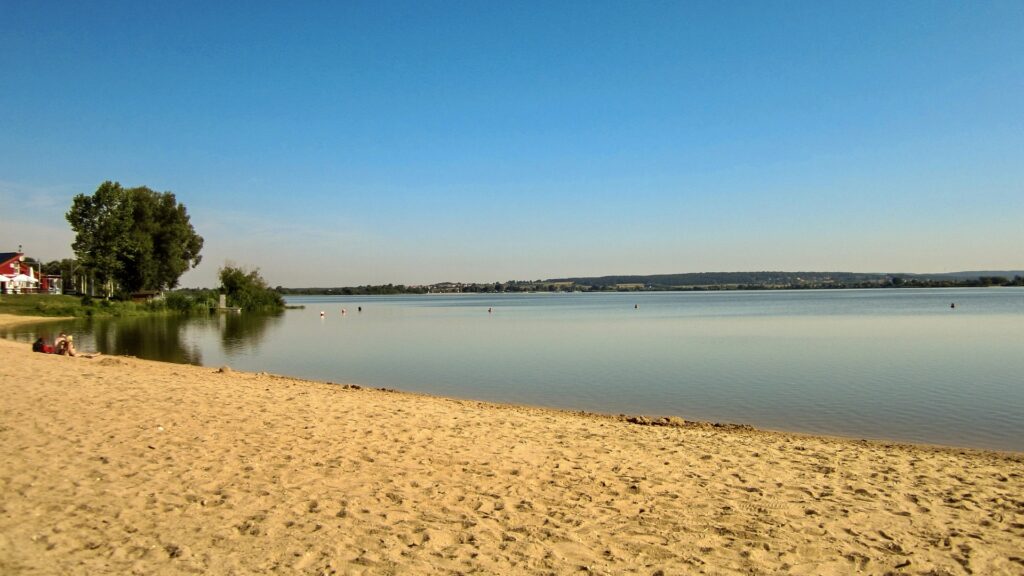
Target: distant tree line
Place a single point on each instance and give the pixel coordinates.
(643, 284)
(980, 281)
(367, 290)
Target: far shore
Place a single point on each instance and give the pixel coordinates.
(118, 465)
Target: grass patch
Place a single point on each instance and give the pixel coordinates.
(40, 305)
(60, 305)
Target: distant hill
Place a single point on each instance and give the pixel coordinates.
(969, 275)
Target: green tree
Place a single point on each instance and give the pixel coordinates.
(101, 223)
(65, 267)
(138, 238)
(248, 290)
(162, 243)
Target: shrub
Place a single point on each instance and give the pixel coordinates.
(248, 290)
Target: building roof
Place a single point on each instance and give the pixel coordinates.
(6, 257)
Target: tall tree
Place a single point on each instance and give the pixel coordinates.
(101, 223)
(141, 239)
(162, 245)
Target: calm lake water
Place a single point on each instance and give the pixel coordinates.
(896, 364)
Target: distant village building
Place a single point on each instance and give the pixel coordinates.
(18, 277)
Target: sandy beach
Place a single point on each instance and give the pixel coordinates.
(117, 465)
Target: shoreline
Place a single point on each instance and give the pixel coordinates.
(117, 465)
(15, 319)
(633, 419)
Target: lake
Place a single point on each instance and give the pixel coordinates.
(896, 364)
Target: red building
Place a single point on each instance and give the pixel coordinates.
(18, 277)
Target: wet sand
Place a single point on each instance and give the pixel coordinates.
(118, 466)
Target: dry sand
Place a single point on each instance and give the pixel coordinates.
(119, 466)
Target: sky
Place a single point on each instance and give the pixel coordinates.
(349, 143)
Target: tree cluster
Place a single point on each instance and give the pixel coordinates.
(133, 239)
(807, 281)
(247, 290)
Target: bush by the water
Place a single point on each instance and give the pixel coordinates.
(248, 290)
(191, 301)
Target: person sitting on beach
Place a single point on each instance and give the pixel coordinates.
(68, 349)
(59, 343)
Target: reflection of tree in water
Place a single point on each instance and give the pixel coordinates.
(162, 338)
(150, 337)
(243, 332)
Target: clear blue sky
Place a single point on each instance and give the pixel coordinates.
(343, 143)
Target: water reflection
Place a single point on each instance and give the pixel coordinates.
(171, 338)
(153, 337)
(243, 333)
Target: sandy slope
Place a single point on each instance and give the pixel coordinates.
(117, 466)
